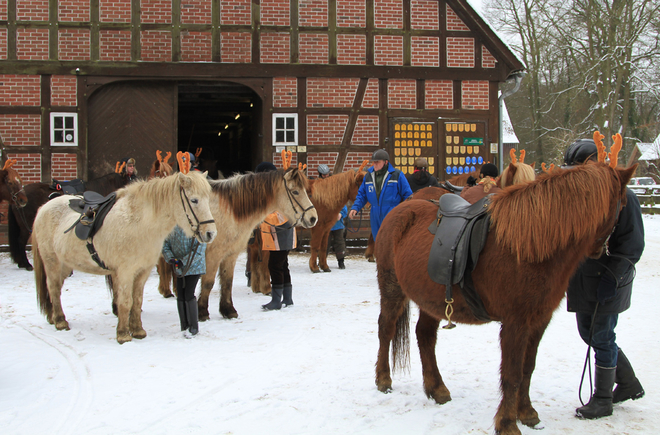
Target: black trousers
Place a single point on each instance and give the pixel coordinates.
(278, 266)
(185, 287)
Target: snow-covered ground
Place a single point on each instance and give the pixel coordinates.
(308, 369)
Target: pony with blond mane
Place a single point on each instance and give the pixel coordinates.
(240, 203)
(540, 232)
(128, 243)
(517, 172)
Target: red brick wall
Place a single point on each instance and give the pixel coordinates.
(63, 90)
(313, 48)
(3, 11)
(156, 46)
(313, 13)
(460, 52)
(424, 51)
(235, 12)
(316, 159)
(402, 94)
(196, 46)
(275, 48)
(326, 129)
(236, 47)
(487, 59)
(74, 44)
(115, 11)
(31, 10)
(424, 14)
(388, 50)
(28, 165)
(275, 12)
(439, 94)
(388, 14)
(115, 45)
(351, 13)
(32, 44)
(20, 130)
(3, 44)
(453, 22)
(196, 11)
(366, 131)
(73, 10)
(355, 159)
(370, 100)
(475, 94)
(351, 49)
(20, 90)
(156, 11)
(285, 92)
(63, 166)
(331, 92)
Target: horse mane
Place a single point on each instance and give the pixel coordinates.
(332, 190)
(536, 219)
(246, 194)
(160, 189)
(517, 173)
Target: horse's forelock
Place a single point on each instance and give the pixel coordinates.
(538, 218)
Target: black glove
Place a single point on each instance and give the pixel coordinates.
(606, 288)
(176, 263)
(471, 181)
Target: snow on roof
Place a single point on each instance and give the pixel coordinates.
(508, 133)
(649, 151)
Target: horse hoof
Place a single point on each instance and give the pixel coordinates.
(385, 389)
(371, 259)
(62, 325)
(123, 338)
(531, 422)
(27, 267)
(167, 295)
(140, 334)
(230, 315)
(327, 270)
(316, 271)
(203, 318)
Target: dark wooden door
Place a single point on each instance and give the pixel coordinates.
(131, 119)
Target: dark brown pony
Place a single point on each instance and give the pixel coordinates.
(540, 232)
(11, 185)
(19, 220)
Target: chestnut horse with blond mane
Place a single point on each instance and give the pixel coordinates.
(539, 233)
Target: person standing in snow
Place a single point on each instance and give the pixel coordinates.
(337, 238)
(421, 178)
(383, 187)
(600, 290)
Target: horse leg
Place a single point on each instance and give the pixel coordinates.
(226, 282)
(314, 246)
(526, 412)
(55, 281)
(513, 337)
(393, 304)
(135, 320)
(427, 332)
(323, 252)
(369, 253)
(208, 280)
(123, 289)
(164, 277)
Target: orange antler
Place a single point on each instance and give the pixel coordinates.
(159, 156)
(512, 153)
(9, 163)
(598, 138)
(119, 168)
(522, 156)
(548, 169)
(302, 167)
(198, 152)
(363, 165)
(167, 157)
(184, 165)
(614, 150)
(287, 156)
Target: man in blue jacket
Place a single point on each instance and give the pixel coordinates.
(383, 187)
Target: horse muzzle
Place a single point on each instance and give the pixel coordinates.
(309, 219)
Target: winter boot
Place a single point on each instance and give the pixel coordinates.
(600, 404)
(287, 293)
(340, 262)
(181, 306)
(627, 384)
(276, 301)
(193, 320)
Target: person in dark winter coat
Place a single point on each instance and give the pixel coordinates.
(129, 172)
(600, 290)
(188, 257)
(421, 178)
(485, 185)
(383, 187)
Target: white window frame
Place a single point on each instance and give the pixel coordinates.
(285, 116)
(74, 129)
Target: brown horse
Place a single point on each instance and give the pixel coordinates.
(539, 233)
(11, 185)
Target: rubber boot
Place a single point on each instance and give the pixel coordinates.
(276, 301)
(193, 319)
(287, 295)
(340, 262)
(181, 306)
(628, 386)
(600, 404)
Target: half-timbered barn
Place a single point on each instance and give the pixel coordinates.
(86, 83)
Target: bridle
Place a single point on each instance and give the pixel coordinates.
(193, 227)
(293, 199)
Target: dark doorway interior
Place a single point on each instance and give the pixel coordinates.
(222, 118)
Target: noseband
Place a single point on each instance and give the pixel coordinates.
(193, 227)
(293, 199)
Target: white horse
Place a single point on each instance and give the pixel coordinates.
(129, 243)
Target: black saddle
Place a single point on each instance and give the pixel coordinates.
(460, 232)
(71, 187)
(93, 208)
(450, 187)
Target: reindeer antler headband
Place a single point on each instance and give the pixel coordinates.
(512, 153)
(119, 167)
(9, 163)
(184, 162)
(614, 149)
(287, 156)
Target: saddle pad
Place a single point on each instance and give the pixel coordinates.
(93, 209)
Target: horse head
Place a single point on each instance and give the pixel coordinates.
(194, 217)
(161, 168)
(13, 184)
(518, 171)
(298, 207)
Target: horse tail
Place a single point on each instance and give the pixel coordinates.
(14, 235)
(41, 281)
(401, 341)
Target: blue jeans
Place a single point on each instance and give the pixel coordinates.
(603, 339)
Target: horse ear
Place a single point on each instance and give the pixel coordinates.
(626, 174)
(205, 174)
(184, 180)
(533, 164)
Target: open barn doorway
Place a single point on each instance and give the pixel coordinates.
(224, 120)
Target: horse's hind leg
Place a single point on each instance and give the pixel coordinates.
(369, 253)
(513, 337)
(226, 283)
(427, 332)
(526, 412)
(57, 317)
(123, 290)
(208, 280)
(323, 253)
(135, 320)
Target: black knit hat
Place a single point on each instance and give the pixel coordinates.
(265, 167)
(579, 151)
(489, 170)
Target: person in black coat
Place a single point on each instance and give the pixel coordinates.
(600, 290)
(421, 178)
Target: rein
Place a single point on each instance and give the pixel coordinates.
(193, 227)
(293, 199)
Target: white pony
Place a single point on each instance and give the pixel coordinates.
(129, 243)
